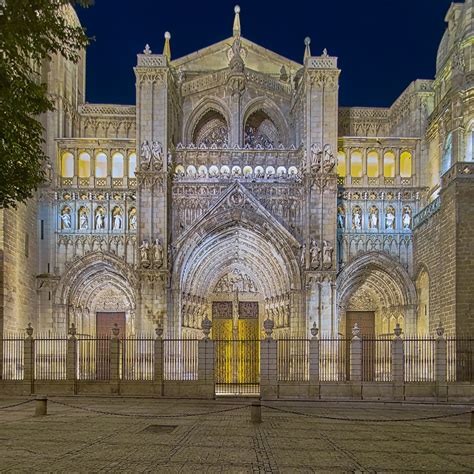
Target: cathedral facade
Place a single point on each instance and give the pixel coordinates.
(238, 190)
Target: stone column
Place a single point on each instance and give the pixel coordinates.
(441, 365)
(268, 364)
(28, 362)
(314, 388)
(398, 364)
(206, 379)
(71, 359)
(356, 355)
(115, 361)
(158, 361)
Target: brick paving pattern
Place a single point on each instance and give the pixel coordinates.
(74, 440)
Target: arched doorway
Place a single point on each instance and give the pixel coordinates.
(237, 266)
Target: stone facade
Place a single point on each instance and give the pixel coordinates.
(236, 177)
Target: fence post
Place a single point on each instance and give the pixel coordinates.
(206, 361)
(115, 361)
(268, 361)
(356, 363)
(314, 390)
(29, 362)
(158, 361)
(71, 358)
(398, 364)
(441, 365)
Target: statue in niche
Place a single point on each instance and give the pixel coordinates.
(303, 256)
(406, 218)
(158, 253)
(145, 253)
(390, 218)
(66, 218)
(157, 154)
(132, 219)
(315, 254)
(327, 254)
(145, 153)
(83, 219)
(99, 218)
(117, 218)
(374, 218)
(341, 217)
(328, 159)
(357, 218)
(315, 162)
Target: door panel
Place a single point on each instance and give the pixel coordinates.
(105, 322)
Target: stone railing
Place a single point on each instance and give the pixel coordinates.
(463, 169)
(431, 209)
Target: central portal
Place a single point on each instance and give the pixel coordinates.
(236, 333)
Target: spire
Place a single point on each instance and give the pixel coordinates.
(307, 49)
(236, 28)
(166, 47)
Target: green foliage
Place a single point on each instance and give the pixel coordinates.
(31, 33)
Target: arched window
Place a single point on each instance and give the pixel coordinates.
(84, 165)
(446, 160)
(101, 165)
(132, 165)
(405, 164)
(470, 145)
(211, 130)
(356, 164)
(67, 165)
(117, 165)
(341, 164)
(389, 164)
(260, 131)
(373, 164)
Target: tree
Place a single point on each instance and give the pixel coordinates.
(31, 32)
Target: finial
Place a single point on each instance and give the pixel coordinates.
(166, 47)
(236, 28)
(307, 49)
(147, 49)
(325, 52)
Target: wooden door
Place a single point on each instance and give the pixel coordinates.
(366, 322)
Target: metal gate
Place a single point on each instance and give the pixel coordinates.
(237, 367)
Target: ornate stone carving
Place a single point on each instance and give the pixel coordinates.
(145, 260)
(157, 253)
(234, 281)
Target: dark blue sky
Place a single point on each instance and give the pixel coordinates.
(382, 45)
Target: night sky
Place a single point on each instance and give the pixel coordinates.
(382, 45)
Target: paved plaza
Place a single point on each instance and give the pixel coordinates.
(75, 437)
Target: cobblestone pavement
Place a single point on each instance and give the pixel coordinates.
(74, 440)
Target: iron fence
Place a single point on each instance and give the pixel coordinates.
(293, 360)
(50, 358)
(419, 359)
(460, 359)
(138, 357)
(376, 359)
(333, 359)
(180, 359)
(93, 355)
(12, 358)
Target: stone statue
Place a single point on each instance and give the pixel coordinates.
(341, 217)
(315, 162)
(117, 217)
(357, 219)
(315, 254)
(146, 154)
(390, 219)
(373, 222)
(66, 218)
(328, 159)
(145, 253)
(303, 255)
(327, 254)
(158, 253)
(406, 219)
(157, 154)
(99, 219)
(133, 219)
(83, 220)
